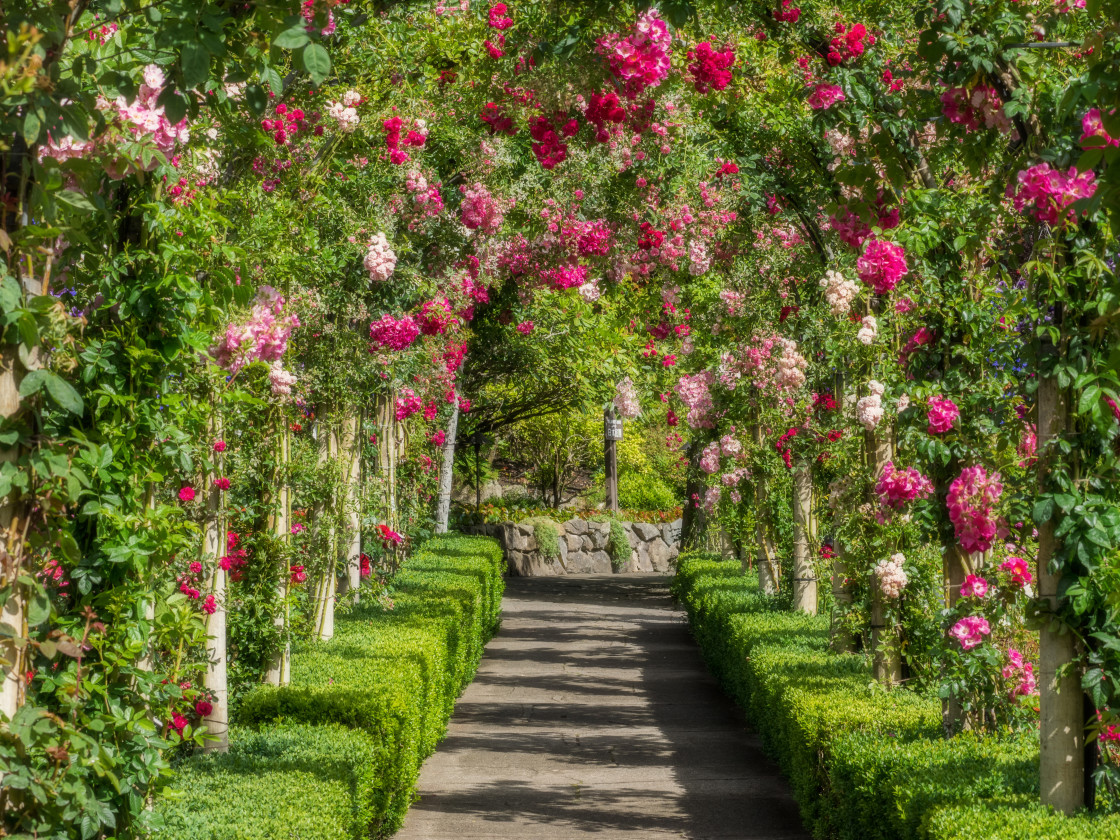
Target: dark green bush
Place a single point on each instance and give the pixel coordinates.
(387, 681)
(285, 781)
(864, 764)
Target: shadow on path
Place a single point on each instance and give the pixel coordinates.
(592, 714)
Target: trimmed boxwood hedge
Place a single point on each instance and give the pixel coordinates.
(337, 753)
(863, 763)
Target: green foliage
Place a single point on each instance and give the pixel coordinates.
(388, 680)
(864, 764)
(548, 536)
(289, 780)
(618, 545)
(645, 492)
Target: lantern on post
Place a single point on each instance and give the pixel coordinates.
(612, 433)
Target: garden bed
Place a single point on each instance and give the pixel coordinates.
(864, 764)
(337, 753)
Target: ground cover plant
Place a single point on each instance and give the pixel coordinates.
(264, 270)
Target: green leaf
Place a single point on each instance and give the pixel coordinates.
(32, 383)
(63, 393)
(1043, 511)
(316, 62)
(38, 609)
(174, 105)
(31, 127)
(195, 60)
(74, 199)
(294, 37)
(69, 546)
(49, 649)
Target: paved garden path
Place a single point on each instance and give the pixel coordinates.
(592, 715)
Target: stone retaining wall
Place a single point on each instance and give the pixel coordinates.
(583, 547)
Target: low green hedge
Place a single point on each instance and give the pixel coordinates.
(863, 763)
(343, 744)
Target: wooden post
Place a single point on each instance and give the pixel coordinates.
(612, 433)
(351, 558)
(325, 629)
(841, 638)
(1062, 759)
(804, 575)
(477, 472)
(769, 570)
(11, 541)
(446, 472)
(279, 670)
(886, 662)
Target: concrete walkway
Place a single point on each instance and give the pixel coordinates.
(593, 715)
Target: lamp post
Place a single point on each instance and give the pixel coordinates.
(612, 433)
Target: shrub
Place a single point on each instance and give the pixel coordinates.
(863, 763)
(548, 536)
(310, 782)
(618, 545)
(645, 492)
(375, 700)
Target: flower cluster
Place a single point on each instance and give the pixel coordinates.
(436, 317)
(825, 96)
(497, 120)
(970, 631)
(499, 18)
(699, 258)
(869, 409)
(943, 414)
(480, 210)
(979, 108)
(235, 558)
(1093, 134)
(882, 265)
(641, 59)
(791, 366)
(547, 145)
(709, 458)
(853, 230)
(388, 536)
(849, 43)
(868, 331)
(1018, 569)
(695, 394)
(264, 337)
(390, 333)
(408, 403)
(1021, 672)
(1048, 193)
(892, 576)
(590, 291)
(345, 112)
(287, 123)
(972, 495)
(380, 260)
(838, 292)
(785, 14)
(710, 69)
(396, 136)
(280, 380)
(974, 586)
(897, 488)
(604, 108)
(626, 399)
